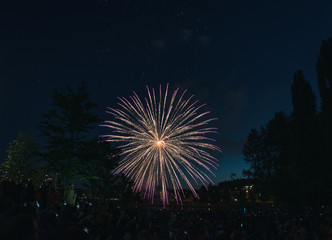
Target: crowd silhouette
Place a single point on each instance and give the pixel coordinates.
(40, 218)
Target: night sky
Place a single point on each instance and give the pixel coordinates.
(239, 57)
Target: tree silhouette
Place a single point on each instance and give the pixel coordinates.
(324, 76)
(268, 154)
(324, 80)
(101, 160)
(292, 156)
(307, 141)
(66, 129)
(277, 142)
(255, 153)
(23, 162)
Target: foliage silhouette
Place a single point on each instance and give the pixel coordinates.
(23, 164)
(291, 156)
(66, 129)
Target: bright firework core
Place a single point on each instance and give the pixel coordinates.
(144, 126)
(160, 143)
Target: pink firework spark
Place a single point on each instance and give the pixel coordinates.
(164, 143)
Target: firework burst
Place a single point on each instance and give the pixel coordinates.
(164, 142)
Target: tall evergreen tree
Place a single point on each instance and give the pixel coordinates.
(278, 140)
(66, 129)
(324, 76)
(307, 139)
(304, 119)
(303, 98)
(324, 80)
(278, 143)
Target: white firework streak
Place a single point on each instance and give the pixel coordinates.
(164, 143)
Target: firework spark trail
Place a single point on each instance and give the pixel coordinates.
(164, 142)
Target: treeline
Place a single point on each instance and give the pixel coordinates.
(291, 156)
(67, 150)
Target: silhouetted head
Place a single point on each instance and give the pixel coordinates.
(23, 226)
(76, 233)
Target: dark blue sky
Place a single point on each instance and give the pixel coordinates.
(237, 56)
